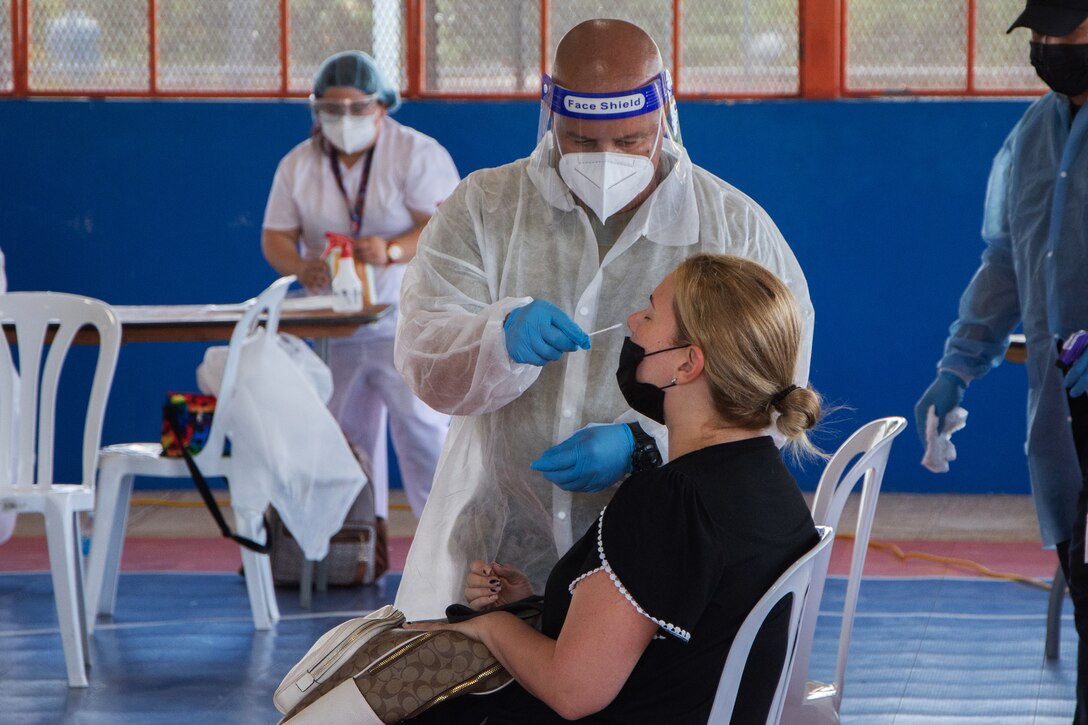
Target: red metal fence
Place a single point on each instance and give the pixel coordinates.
(716, 49)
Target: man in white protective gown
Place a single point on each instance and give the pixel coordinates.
(515, 271)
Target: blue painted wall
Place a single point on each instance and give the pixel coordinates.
(141, 202)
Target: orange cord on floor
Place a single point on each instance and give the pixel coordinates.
(898, 552)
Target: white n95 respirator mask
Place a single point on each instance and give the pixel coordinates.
(349, 133)
(604, 180)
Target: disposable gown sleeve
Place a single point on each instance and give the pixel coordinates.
(769, 248)
(990, 306)
(450, 345)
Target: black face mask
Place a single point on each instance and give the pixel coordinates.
(644, 398)
(1062, 67)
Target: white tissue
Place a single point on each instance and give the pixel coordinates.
(939, 448)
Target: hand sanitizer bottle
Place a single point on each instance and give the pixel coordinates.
(347, 288)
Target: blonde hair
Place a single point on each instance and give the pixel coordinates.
(748, 325)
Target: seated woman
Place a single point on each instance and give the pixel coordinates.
(639, 615)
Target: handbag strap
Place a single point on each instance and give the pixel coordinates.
(206, 492)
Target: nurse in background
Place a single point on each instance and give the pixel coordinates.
(364, 175)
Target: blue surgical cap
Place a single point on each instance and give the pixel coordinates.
(355, 69)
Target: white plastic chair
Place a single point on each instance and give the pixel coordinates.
(812, 703)
(797, 580)
(119, 464)
(27, 439)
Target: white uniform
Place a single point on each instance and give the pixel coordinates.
(506, 236)
(410, 172)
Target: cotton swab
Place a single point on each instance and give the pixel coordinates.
(606, 329)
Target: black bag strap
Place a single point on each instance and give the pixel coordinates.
(206, 492)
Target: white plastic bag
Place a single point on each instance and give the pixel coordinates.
(209, 374)
(287, 448)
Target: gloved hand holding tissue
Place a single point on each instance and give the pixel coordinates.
(939, 449)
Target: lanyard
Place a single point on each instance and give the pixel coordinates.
(355, 212)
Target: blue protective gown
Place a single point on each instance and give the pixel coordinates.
(1033, 272)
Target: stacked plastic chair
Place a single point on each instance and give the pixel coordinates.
(28, 417)
(861, 459)
(121, 463)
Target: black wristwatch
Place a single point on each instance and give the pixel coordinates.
(646, 455)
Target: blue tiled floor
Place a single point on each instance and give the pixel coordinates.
(181, 649)
(949, 652)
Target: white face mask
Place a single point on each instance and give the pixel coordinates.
(349, 133)
(607, 181)
(604, 180)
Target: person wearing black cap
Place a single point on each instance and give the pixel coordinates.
(364, 175)
(1033, 272)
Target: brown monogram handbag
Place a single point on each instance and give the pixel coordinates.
(369, 670)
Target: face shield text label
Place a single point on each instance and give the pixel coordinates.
(605, 106)
(655, 95)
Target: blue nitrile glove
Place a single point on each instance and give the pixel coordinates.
(540, 332)
(1076, 381)
(944, 394)
(590, 460)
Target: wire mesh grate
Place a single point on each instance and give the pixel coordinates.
(88, 45)
(1001, 60)
(739, 47)
(493, 47)
(653, 16)
(481, 46)
(211, 45)
(319, 28)
(7, 47)
(903, 47)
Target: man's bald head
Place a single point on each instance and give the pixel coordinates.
(605, 56)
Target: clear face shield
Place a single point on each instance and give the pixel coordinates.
(608, 144)
(349, 124)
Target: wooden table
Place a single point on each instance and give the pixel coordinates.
(211, 323)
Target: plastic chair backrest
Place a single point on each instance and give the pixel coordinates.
(863, 457)
(269, 304)
(796, 581)
(27, 437)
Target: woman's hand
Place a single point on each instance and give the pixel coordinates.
(493, 585)
(313, 275)
(371, 249)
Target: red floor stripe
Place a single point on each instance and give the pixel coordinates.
(28, 553)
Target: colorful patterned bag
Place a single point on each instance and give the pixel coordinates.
(191, 414)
